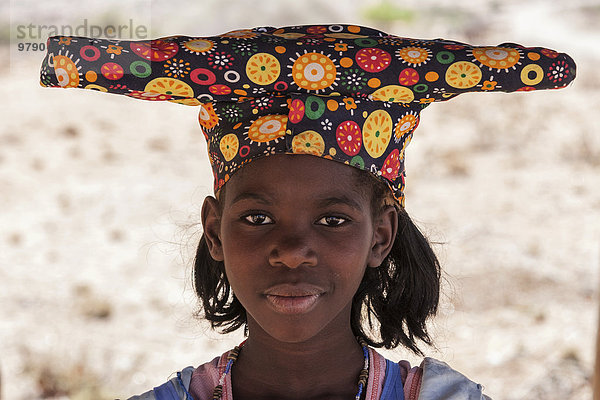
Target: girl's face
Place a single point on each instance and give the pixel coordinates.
(296, 233)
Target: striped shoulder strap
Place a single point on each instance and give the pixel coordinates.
(176, 388)
(166, 391)
(392, 386)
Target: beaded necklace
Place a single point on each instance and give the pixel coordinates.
(233, 355)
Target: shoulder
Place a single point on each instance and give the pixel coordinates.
(189, 380)
(176, 386)
(439, 381)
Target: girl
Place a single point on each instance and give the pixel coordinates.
(307, 256)
(306, 244)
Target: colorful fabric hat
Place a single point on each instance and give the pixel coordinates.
(343, 92)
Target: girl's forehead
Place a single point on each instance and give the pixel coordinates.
(293, 167)
(298, 174)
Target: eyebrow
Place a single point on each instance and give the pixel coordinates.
(322, 202)
(251, 196)
(341, 200)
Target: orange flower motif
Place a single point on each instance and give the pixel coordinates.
(220, 89)
(489, 85)
(315, 30)
(454, 46)
(297, 109)
(114, 49)
(349, 102)
(341, 47)
(177, 68)
(64, 40)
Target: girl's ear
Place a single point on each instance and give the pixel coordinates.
(385, 228)
(211, 223)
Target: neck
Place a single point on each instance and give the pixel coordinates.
(325, 366)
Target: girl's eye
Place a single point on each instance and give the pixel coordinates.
(258, 219)
(332, 221)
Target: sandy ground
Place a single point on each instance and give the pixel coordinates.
(101, 197)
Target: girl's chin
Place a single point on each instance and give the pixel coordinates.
(294, 329)
(290, 337)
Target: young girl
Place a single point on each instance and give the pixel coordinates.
(306, 244)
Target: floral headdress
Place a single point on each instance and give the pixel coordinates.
(343, 92)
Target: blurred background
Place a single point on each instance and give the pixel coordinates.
(100, 200)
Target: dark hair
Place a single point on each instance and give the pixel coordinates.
(392, 304)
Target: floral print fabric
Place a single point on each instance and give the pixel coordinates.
(347, 93)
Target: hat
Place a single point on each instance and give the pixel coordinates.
(347, 93)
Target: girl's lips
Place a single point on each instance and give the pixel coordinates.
(292, 304)
(293, 298)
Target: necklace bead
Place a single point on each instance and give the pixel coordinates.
(363, 376)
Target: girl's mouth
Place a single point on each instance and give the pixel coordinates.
(292, 304)
(293, 298)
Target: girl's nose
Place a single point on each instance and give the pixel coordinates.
(292, 250)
